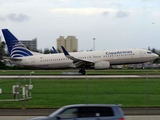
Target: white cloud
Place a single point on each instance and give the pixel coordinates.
(17, 17)
(85, 19)
(2, 18)
(81, 11)
(105, 13)
(121, 14)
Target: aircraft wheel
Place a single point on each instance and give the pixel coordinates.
(80, 71)
(83, 72)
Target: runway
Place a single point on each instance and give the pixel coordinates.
(76, 76)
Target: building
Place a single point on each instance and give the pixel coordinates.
(30, 44)
(70, 43)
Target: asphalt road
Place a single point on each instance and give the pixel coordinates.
(126, 117)
(44, 112)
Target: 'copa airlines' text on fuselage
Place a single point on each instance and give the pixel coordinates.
(119, 52)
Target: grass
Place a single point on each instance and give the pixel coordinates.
(58, 92)
(96, 72)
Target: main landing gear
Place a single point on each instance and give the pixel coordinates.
(82, 71)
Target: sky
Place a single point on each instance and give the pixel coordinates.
(114, 24)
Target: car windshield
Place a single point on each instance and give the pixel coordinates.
(69, 113)
(56, 112)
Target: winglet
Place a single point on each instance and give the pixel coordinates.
(64, 51)
(54, 50)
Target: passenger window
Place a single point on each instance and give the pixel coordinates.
(95, 112)
(69, 113)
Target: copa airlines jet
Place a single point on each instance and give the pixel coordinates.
(101, 59)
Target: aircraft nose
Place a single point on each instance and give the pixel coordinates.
(156, 56)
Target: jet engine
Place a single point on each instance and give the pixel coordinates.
(101, 65)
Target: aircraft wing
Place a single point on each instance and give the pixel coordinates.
(77, 62)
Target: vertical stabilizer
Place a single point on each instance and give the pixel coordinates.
(54, 50)
(15, 47)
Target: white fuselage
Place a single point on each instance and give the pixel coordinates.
(114, 57)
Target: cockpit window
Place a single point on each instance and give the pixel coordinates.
(149, 52)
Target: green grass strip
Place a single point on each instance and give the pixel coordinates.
(58, 92)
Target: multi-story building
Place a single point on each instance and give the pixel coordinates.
(30, 44)
(70, 43)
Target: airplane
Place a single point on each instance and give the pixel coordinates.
(54, 50)
(99, 59)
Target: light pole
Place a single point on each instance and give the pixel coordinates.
(94, 44)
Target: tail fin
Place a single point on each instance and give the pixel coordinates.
(15, 47)
(54, 50)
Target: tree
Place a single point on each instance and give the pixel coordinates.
(153, 50)
(46, 51)
(51, 51)
(2, 53)
(39, 51)
(59, 50)
(2, 50)
(74, 50)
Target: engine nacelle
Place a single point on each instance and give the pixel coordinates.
(101, 65)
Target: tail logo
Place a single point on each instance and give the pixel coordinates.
(19, 50)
